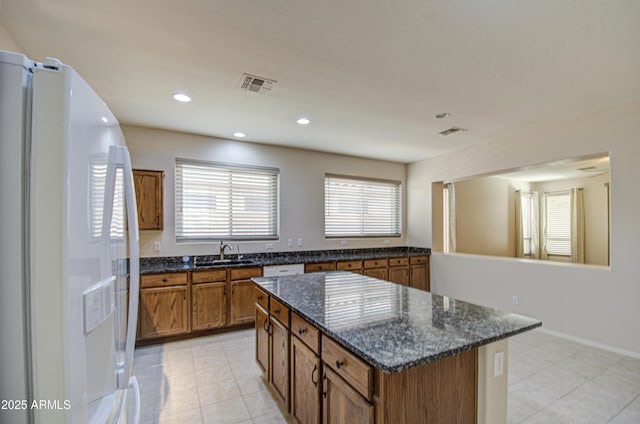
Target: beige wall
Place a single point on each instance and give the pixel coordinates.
(301, 187)
(7, 42)
(485, 215)
(596, 232)
(594, 303)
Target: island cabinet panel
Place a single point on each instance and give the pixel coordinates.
(279, 311)
(305, 387)
(305, 332)
(262, 298)
(163, 311)
(443, 391)
(341, 404)
(419, 273)
(209, 305)
(353, 370)
(279, 360)
(262, 339)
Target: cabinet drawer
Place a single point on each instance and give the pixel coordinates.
(320, 267)
(163, 280)
(279, 311)
(398, 261)
(353, 370)
(262, 299)
(415, 260)
(375, 263)
(305, 332)
(209, 276)
(245, 273)
(349, 266)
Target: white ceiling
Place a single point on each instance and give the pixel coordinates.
(559, 170)
(370, 74)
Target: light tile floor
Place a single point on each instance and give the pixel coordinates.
(551, 380)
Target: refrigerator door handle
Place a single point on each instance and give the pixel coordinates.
(119, 157)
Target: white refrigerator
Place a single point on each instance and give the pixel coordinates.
(69, 263)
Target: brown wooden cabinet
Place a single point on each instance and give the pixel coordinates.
(320, 267)
(163, 309)
(209, 305)
(419, 273)
(241, 309)
(376, 268)
(279, 359)
(305, 387)
(262, 338)
(399, 270)
(148, 187)
(341, 403)
(208, 299)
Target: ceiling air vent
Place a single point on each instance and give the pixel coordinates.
(452, 130)
(256, 84)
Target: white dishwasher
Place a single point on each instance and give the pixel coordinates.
(280, 270)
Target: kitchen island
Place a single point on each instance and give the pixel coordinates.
(343, 347)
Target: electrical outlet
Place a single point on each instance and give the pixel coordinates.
(299, 242)
(344, 243)
(498, 364)
(290, 243)
(515, 300)
(156, 246)
(386, 241)
(269, 245)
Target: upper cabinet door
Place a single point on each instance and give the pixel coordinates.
(149, 198)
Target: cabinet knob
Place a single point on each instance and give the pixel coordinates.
(301, 331)
(277, 311)
(260, 298)
(164, 280)
(339, 363)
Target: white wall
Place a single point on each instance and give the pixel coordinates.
(595, 303)
(301, 187)
(486, 215)
(7, 42)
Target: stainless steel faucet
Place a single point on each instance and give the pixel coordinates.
(222, 247)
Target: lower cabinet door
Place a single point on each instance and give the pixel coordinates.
(262, 340)
(242, 301)
(163, 311)
(305, 387)
(209, 308)
(341, 403)
(419, 277)
(279, 365)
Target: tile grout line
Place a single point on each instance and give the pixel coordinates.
(624, 408)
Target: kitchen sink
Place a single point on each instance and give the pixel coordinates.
(223, 262)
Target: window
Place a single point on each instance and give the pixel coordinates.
(358, 207)
(558, 223)
(527, 215)
(97, 182)
(218, 201)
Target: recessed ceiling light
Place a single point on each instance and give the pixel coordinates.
(104, 119)
(303, 121)
(443, 115)
(182, 97)
(239, 134)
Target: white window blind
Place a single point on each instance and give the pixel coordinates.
(97, 181)
(356, 207)
(218, 201)
(558, 222)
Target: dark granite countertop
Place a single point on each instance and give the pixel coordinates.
(158, 265)
(390, 326)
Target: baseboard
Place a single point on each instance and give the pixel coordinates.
(588, 342)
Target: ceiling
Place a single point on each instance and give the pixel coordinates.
(369, 74)
(559, 170)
